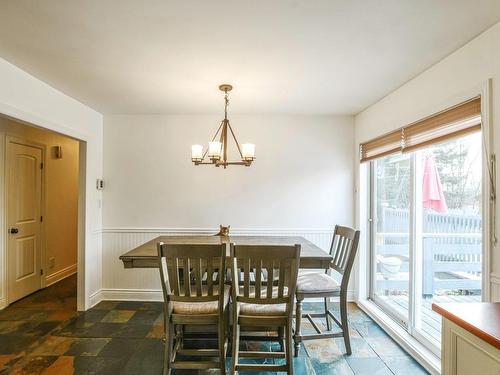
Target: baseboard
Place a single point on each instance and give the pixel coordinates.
(59, 275)
(143, 295)
(94, 299)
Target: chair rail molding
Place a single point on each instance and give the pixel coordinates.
(144, 284)
(234, 231)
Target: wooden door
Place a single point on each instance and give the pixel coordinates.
(24, 206)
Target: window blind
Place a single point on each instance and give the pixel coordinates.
(385, 145)
(458, 120)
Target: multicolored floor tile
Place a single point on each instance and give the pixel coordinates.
(44, 334)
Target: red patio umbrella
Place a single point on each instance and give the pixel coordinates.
(432, 190)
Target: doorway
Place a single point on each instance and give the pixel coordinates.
(24, 166)
(42, 208)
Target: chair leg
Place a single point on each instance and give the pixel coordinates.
(169, 343)
(236, 346)
(327, 317)
(345, 324)
(222, 344)
(281, 338)
(288, 349)
(298, 321)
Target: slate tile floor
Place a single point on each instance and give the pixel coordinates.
(43, 334)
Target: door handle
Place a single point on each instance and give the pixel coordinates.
(14, 230)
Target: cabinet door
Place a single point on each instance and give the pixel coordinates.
(465, 354)
(470, 358)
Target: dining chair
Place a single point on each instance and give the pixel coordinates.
(322, 285)
(194, 292)
(263, 303)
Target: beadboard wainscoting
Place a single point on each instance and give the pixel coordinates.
(143, 284)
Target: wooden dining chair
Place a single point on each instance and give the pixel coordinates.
(263, 303)
(322, 285)
(194, 292)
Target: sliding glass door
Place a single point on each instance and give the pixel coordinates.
(391, 197)
(426, 232)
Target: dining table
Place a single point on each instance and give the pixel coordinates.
(146, 255)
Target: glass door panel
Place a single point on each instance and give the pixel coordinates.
(450, 238)
(390, 211)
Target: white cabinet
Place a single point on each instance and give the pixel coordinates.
(466, 354)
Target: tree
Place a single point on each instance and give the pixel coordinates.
(455, 166)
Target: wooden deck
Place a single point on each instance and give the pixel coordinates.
(431, 321)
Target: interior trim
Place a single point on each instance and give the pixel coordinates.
(411, 345)
(61, 274)
(237, 231)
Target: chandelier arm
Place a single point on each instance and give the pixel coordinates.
(234, 137)
(232, 163)
(217, 132)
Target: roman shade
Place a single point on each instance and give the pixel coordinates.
(389, 143)
(458, 120)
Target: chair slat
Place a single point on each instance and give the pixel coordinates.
(246, 278)
(187, 276)
(222, 273)
(258, 277)
(199, 276)
(270, 273)
(281, 281)
(175, 273)
(210, 278)
(338, 251)
(347, 251)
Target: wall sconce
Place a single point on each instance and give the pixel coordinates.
(57, 152)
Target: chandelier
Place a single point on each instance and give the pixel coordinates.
(217, 147)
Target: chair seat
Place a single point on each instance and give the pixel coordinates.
(254, 309)
(200, 308)
(317, 283)
(258, 309)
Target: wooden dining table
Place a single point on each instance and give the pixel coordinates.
(146, 255)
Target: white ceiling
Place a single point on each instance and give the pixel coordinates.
(303, 56)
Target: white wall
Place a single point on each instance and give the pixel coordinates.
(301, 182)
(26, 98)
(462, 74)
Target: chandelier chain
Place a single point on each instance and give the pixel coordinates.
(226, 99)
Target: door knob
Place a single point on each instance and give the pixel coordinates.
(14, 230)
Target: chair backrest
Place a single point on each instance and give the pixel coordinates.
(192, 273)
(264, 274)
(343, 250)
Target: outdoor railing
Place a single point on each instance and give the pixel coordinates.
(451, 251)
